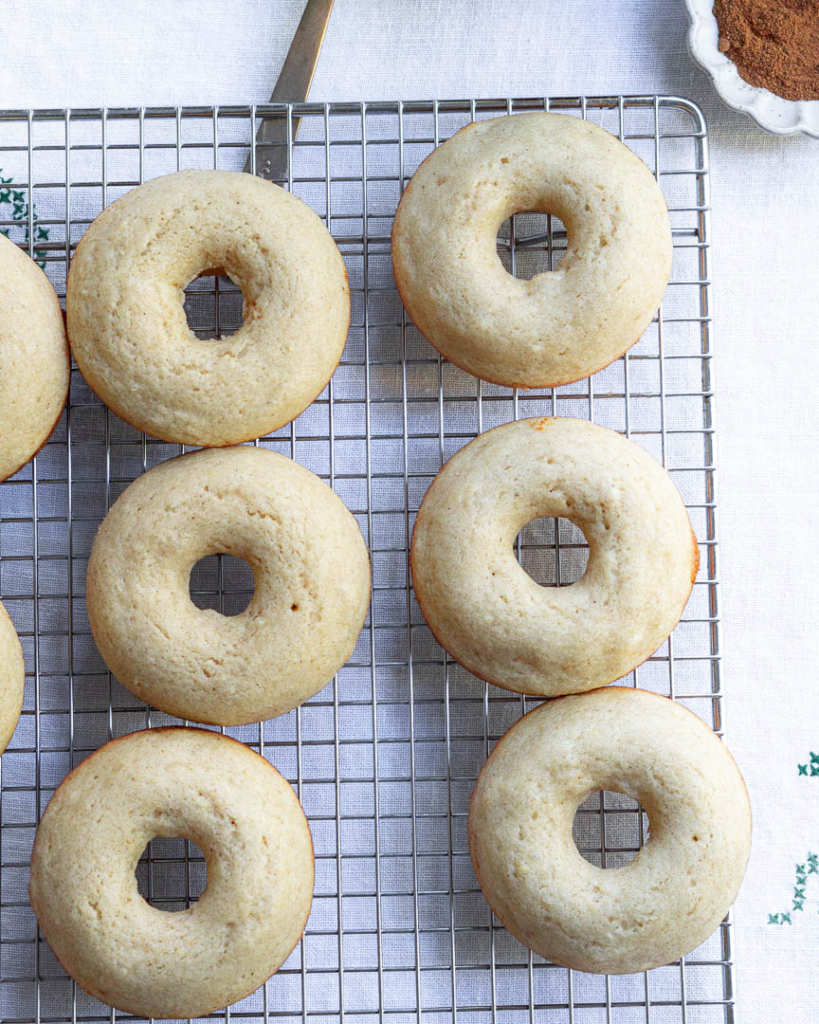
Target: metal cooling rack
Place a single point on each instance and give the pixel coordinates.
(385, 757)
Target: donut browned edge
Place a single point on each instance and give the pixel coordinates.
(34, 454)
(63, 404)
(227, 444)
(471, 839)
(97, 993)
(397, 264)
(695, 562)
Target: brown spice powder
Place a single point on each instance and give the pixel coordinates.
(774, 43)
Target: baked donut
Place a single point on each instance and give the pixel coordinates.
(35, 366)
(311, 586)
(12, 678)
(126, 318)
(494, 618)
(249, 825)
(563, 324)
(680, 885)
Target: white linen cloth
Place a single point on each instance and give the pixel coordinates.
(765, 257)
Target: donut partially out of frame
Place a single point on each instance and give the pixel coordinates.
(12, 678)
(35, 366)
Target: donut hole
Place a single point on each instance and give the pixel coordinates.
(223, 583)
(531, 243)
(171, 873)
(609, 829)
(553, 552)
(214, 305)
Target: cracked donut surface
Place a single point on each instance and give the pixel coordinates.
(250, 827)
(563, 324)
(127, 323)
(492, 616)
(311, 577)
(681, 883)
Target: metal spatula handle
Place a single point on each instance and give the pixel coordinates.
(292, 86)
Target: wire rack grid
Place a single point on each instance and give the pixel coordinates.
(383, 759)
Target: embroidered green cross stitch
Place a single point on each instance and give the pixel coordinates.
(809, 867)
(16, 198)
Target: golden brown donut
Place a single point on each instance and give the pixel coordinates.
(311, 585)
(248, 823)
(678, 888)
(126, 318)
(492, 616)
(35, 366)
(563, 324)
(12, 678)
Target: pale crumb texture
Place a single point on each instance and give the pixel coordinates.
(126, 317)
(492, 616)
(561, 325)
(256, 841)
(311, 577)
(678, 888)
(12, 678)
(34, 361)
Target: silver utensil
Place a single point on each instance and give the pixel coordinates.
(292, 86)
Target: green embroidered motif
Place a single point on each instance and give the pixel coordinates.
(810, 867)
(16, 198)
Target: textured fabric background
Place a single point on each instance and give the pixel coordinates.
(766, 251)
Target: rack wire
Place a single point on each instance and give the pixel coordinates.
(385, 757)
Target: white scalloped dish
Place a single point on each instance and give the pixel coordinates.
(771, 112)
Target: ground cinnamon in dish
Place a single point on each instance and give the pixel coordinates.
(774, 43)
